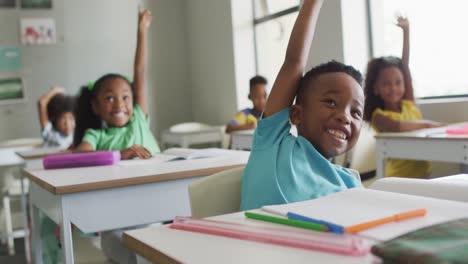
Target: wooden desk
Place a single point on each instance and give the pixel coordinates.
(104, 198)
(165, 245)
(21, 142)
(242, 139)
(33, 157)
(459, 178)
(425, 144)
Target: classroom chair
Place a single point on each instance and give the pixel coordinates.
(217, 194)
(362, 156)
(187, 134)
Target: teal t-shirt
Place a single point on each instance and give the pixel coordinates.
(283, 168)
(137, 131)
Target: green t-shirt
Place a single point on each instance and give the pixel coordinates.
(137, 131)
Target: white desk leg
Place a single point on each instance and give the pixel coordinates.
(36, 234)
(24, 204)
(184, 142)
(380, 159)
(9, 225)
(66, 235)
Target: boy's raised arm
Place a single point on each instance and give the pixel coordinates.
(144, 22)
(286, 83)
(42, 104)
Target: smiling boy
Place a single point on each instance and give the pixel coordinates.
(328, 114)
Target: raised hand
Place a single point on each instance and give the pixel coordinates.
(402, 22)
(144, 18)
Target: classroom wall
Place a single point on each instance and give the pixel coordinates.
(94, 39)
(169, 82)
(211, 60)
(21, 119)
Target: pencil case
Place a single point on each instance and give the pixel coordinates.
(74, 160)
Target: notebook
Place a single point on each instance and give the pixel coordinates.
(175, 154)
(358, 205)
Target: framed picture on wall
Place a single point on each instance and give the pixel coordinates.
(11, 89)
(38, 31)
(36, 3)
(7, 4)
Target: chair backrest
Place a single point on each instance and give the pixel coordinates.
(217, 194)
(362, 157)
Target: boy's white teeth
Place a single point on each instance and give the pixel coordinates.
(337, 133)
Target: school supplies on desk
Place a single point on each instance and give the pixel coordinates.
(359, 205)
(345, 245)
(289, 222)
(394, 218)
(338, 229)
(87, 159)
(457, 130)
(442, 243)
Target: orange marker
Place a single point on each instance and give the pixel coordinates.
(394, 218)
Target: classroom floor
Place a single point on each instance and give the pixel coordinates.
(86, 251)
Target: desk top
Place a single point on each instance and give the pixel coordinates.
(249, 132)
(164, 245)
(427, 134)
(40, 153)
(455, 179)
(21, 142)
(63, 181)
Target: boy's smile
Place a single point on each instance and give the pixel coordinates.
(330, 117)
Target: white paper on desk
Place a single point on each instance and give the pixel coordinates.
(356, 206)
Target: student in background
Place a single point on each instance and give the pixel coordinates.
(112, 114)
(247, 118)
(57, 118)
(328, 113)
(390, 104)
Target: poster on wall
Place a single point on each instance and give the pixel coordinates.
(7, 3)
(36, 3)
(38, 31)
(10, 59)
(11, 89)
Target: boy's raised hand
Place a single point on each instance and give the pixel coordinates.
(144, 18)
(287, 81)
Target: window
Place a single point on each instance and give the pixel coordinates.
(274, 20)
(438, 46)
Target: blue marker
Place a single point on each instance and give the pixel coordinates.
(337, 229)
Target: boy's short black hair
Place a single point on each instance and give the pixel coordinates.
(257, 80)
(58, 105)
(328, 67)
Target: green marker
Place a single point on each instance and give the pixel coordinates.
(289, 222)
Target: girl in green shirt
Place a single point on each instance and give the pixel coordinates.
(112, 114)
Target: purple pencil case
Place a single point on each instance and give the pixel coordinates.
(74, 160)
